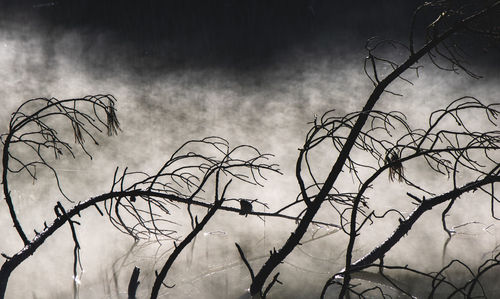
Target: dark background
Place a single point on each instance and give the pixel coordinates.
(225, 33)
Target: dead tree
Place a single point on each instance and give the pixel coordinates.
(445, 150)
(137, 203)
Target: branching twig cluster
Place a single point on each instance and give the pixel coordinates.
(185, 176)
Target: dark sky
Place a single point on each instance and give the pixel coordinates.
(222, 33)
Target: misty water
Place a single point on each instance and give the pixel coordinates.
(267, 107)
(155, 121)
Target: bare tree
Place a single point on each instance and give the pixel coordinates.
(392, 142)
(138, 203)
(367, 144)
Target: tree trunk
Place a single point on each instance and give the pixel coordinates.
(4, 278)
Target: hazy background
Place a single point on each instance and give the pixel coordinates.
(254, 72)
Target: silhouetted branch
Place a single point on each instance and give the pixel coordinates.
(178, 248)
(28, 128)
(271, 284)
(134, 283)
(243, 258)
(406, 224)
